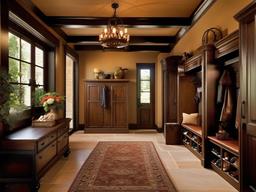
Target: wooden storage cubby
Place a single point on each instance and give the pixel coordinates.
(192, 139)
(191, 134)
(193, 83)
(221, 153)
(224, 159)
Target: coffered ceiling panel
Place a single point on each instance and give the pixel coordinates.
(131, 31)
(128, 8)
(152, 24)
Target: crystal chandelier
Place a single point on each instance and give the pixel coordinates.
(114, 35)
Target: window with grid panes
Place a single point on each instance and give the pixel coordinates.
(145, 86)
(26, 69)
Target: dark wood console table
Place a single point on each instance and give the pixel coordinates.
(27, 154)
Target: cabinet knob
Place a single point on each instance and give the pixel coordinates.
(40, 157)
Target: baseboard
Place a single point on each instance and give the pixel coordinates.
(159, 129)
(132, 126)
(81, 127)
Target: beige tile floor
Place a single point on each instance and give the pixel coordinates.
(183, 167)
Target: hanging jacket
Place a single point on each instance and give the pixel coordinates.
(227, 107)
(225, 81)
(104, 97)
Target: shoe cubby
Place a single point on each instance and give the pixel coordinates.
(192, 140)
(224, 157)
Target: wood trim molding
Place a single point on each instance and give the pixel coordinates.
(246, 13)
(70, 51)
(4, 35)
(19, 14)
(130, 48)
(43, 17)
(227, 45)
(133, 39)
(135, 22)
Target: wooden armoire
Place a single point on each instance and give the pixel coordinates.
(106, 105)
(246, 18)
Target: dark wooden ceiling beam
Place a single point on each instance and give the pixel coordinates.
(130, 48)
(133, 39)
(135, 22)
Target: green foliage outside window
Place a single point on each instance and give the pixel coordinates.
(16, 100)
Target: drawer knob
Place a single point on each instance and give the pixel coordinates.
(40, 157)
(42, 143)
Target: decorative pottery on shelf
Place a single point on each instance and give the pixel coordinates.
(120, 73)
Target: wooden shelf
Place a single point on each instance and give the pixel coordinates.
(226, 176)
(193, 128)
(195, 152)
(230, 145)
(216, 155)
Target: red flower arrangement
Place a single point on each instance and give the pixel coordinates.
(52, 100)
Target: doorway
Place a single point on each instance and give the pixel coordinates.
(145, 96)
(72, 88)
(69, 90)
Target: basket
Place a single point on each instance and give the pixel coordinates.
(36, 123)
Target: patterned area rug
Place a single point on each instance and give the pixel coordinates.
(123, 166)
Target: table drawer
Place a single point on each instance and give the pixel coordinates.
(46, 155)
(42, 143)
(62, 130)
(52, 137)
(62, 142)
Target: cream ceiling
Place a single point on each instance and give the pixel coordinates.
(128, 8)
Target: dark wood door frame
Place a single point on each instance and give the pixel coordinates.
(71, 53)
(150, 66)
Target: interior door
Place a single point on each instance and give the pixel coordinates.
(145, 96)
(248, 109)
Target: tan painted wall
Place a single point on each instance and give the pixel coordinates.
(107, 61)
(219, 15)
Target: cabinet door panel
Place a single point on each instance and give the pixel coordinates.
(119, 113)
(93, 92)
(94, 114)
(119, 92)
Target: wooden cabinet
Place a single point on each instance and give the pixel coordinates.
(27, 154)
(247, 20)
(106, 105)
